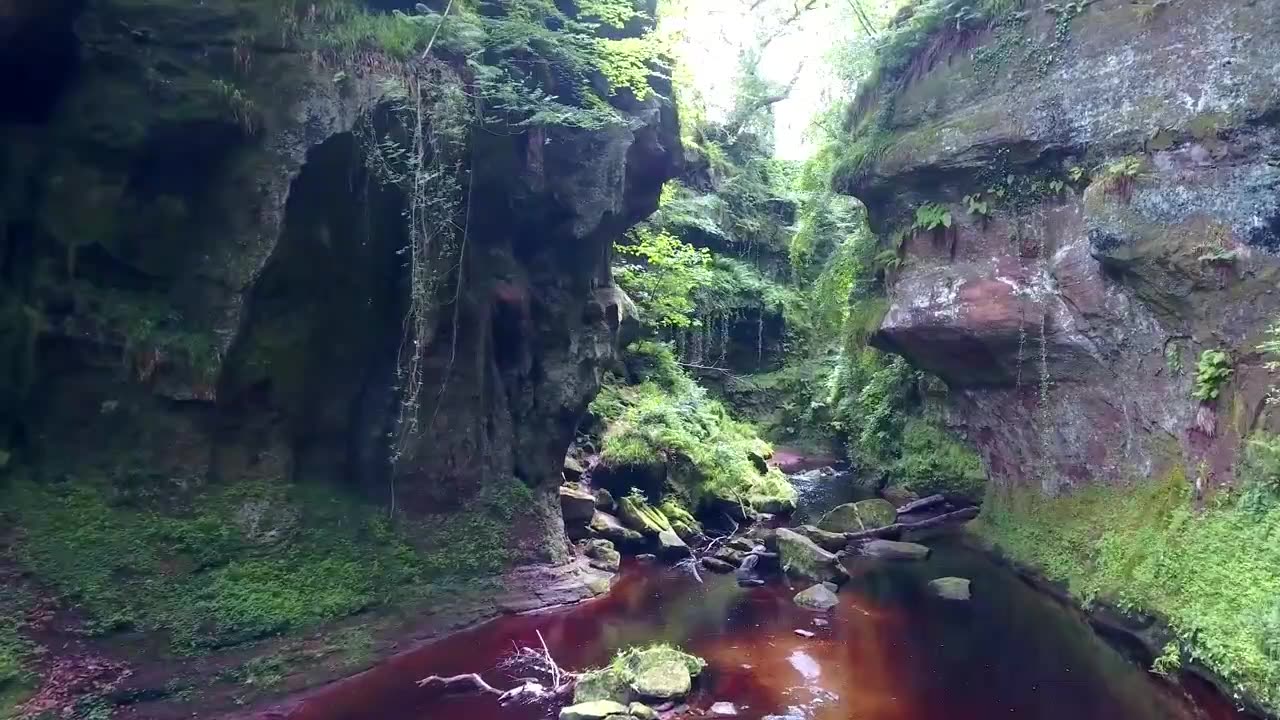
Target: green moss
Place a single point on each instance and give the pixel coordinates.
(651, 423)
(15, 650)
(934, 462)
(224, 565)
(1213, 574)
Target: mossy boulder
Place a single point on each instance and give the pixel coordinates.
(859, 516)
(601, 554)
(951, 588)
(658, 672)
(642, 517)
(594, 710)
(684, 523)
(661, 672)
(803, 560)
(642, 711)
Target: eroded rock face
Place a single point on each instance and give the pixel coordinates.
(1068, 323)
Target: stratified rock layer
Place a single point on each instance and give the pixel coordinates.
(1067, 324)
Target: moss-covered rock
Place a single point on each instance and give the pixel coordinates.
(642, 517)
(657, 672)
(594, 710)
(608, 527)
(685, 524)
(893, 550)
(859, 516)
(817, 597)
(951, 588)
(803, 560)
(603, 555)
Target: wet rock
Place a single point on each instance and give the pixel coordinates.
(747, 569)
(576, 504)
(951, 588)
(750, 582)
(859, 516)
(642, 711)
(610, 528)
(573, 470)
(731, 555)
(723, 709)
(646, 557)
(892, 550)
(818, 597)
(604, 500)
(595, 710)
(803, 560)
(716, 565)
(803, 633)
(601, 554)
(829, 541)
(671, 547)
(741, 544)
(642, 517)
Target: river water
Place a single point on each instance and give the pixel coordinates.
(889, 651)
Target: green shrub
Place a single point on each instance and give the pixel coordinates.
(934, 462)
(1259, 471)
(1212, 372)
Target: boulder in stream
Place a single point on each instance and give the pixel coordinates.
(602, 555)
(716, 565)
(594, 710)
(859, 516)
(818, 597)
(723, 709)
(951, 588)
(577, 504)
(803, 560)
(606, 526)
(891, 550)
(671, 547)
(661, 672)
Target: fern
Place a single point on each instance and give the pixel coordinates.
(932, 216)
(1212, 373)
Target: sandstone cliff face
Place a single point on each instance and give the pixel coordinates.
(202, 273)
(1068, 322)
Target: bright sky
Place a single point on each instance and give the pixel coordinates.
(715, 31)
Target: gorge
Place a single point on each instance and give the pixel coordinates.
(335, 328)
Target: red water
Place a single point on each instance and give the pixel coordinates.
(889, 651)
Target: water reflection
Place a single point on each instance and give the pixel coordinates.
(889, 651)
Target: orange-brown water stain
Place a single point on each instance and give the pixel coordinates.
(888, 651)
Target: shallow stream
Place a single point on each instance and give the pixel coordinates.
(889, 651)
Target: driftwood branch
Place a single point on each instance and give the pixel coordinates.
(897, 529)
(471, 683)
(922, 503)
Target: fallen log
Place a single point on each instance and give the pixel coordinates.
(896, 529)
(922, 503)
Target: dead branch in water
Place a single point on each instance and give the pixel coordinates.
(537, 661)
(897, 529)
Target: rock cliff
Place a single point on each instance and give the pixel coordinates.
(1110, 174)
(205, 282)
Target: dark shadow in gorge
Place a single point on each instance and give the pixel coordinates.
(319, 349)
